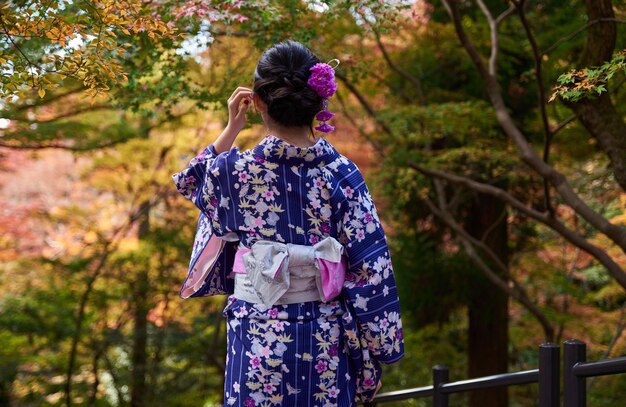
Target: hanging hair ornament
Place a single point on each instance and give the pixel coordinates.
(322, 81)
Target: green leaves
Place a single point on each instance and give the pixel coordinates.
(43, 43)
(588, 82)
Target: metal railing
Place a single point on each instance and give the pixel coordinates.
(575, 371)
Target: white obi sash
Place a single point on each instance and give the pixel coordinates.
(278, 273)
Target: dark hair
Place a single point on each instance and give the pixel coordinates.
(280, 80)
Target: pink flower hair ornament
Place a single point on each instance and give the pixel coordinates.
(322, 81)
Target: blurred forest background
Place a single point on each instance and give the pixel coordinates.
(492, 134)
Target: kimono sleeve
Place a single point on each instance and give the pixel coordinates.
(369, 291)
(197, 181)
(204, 183)
(370, 284)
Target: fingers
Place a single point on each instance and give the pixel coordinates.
(235, 104)
(238, 104)
(242, 110)
(239, 93)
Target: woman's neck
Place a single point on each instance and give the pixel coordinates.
(297, 136)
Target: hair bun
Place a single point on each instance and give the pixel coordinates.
(281, 82)
(295, 81)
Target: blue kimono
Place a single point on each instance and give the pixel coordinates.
(305, 354)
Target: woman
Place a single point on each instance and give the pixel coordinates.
(289, 230)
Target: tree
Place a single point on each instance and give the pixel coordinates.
(415, 145)
(42, 44)
(453, 127)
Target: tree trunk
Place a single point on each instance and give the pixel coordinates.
(140, 335)
(488, 306)
(598, 115)
(7, 377)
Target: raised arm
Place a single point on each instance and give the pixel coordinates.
(205, 182)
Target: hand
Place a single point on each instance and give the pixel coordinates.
(238, 104)
(380, 384)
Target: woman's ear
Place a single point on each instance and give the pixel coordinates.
(259, 105)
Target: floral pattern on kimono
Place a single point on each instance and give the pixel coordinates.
(290, 355)
(298, 195)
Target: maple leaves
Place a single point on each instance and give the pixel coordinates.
(43, 43)
(107, 43)
(588, 82)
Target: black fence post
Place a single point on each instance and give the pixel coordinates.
(440, 376)
(549, 377)
(575, 391)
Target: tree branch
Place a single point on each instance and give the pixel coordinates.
(541, 99)
(544, 217)
(48, 99)
(599, 115)
(65, 115)
(58, 146)
(377, 147)
(573, 117)
(493, 26)
(399, 90)
(416, 83)
(469, 244)
(578, 31)
(364, 103)
(615, 233)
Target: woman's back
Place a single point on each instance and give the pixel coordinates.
(280, 192)
(312, 331)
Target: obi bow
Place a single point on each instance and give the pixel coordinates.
(273, 268)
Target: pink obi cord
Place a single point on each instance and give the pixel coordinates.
(332, 273)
